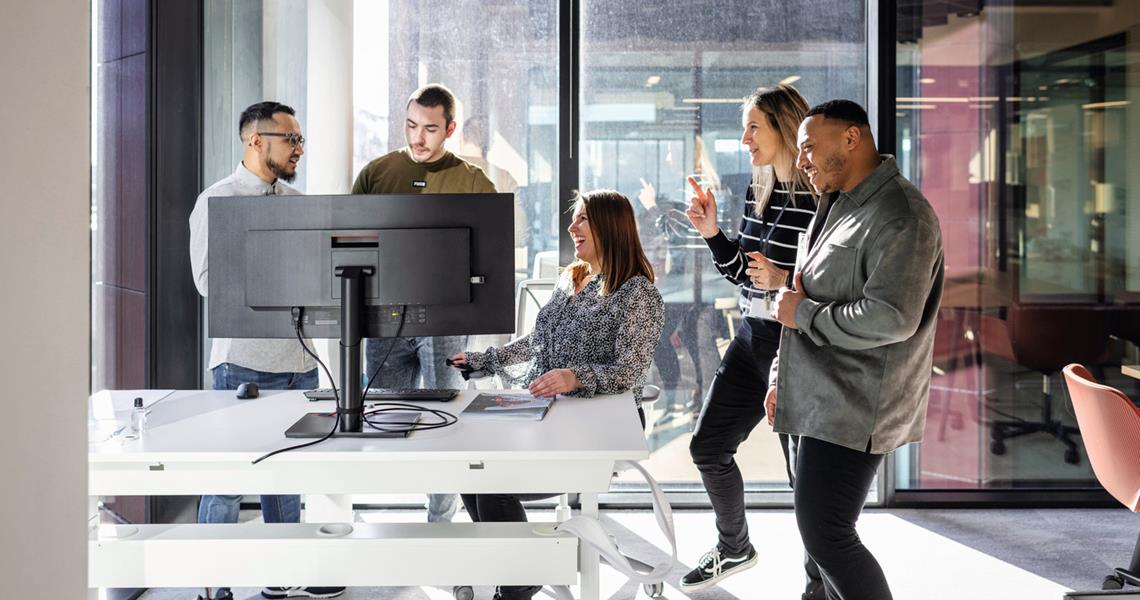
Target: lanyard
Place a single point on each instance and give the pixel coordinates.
(765, 240)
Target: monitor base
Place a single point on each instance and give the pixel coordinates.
(391, 425)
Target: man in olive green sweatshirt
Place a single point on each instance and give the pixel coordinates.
(425, 167)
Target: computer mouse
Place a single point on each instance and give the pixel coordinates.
(247, 390)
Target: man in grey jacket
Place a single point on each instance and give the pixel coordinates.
(852, 376)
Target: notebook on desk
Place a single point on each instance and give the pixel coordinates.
(513, 407)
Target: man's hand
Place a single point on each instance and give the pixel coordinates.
(787, 300)
(555, 381)
(765, 275)
(770, 406)
(702, 211)
(458, 360)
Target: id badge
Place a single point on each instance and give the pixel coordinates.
(801, 251)
(762, 307)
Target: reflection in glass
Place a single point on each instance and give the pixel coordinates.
(1019, 136)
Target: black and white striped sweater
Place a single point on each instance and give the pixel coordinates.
(729, 254)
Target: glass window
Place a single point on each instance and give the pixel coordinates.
(1019, 133)
(661, 90)
(661, 93)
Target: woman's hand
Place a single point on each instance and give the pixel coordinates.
(702, 211)
(556, 381)
(458, 360)
(765, 275)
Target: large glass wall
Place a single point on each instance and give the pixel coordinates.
(1020, 132)
(661, 89)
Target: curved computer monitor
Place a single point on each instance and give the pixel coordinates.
(447, 258)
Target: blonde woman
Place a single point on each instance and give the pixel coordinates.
(779, 207)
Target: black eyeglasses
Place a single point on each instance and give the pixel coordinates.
(295, 140)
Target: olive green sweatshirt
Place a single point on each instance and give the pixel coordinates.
(397, 173)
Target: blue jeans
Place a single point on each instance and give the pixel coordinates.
(275, 508)
(413, 359)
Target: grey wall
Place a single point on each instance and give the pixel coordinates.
(45, 266)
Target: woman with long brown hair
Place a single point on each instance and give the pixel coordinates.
(779, 206)
(596, 335)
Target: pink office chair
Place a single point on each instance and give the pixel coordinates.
(1110, 428)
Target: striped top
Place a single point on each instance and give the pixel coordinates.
(729, 254)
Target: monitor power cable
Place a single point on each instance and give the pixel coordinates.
(446, 419)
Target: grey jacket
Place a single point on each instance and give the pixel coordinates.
(857, 371)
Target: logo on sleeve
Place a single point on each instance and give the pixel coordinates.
(420, 183)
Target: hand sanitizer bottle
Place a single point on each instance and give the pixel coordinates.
(138, 418)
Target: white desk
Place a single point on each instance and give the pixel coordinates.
(203, 441)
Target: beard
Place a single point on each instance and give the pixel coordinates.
(281, 171)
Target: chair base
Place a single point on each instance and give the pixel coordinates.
(1000, 431)
(1003, 430)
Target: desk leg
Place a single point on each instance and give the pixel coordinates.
(93, 529)
(328, 508)
(590, 577)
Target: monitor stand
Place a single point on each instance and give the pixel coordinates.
(350, 403)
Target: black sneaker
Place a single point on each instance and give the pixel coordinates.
(302, 592)
(814, 591)
(219, 594)
(715, 566)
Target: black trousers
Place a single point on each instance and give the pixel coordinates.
(508, 508)
(832, 483)
(734, 407)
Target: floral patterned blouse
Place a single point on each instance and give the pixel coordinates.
(607, 341)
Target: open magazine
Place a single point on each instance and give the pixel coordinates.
(513, 407)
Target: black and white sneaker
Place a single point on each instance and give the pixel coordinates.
(302, 592)
(715, 566)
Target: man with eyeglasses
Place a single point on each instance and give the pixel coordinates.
(424, 166)
(272, 147)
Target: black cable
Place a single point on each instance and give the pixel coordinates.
(297, 326)
(336, 395)
(446, 419)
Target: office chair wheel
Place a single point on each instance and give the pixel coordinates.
(997, 447)
(463, 592)
(654, 590)
(1072, 456)
(1112, 582)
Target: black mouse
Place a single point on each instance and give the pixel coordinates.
(247, 390)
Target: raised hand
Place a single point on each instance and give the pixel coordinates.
(765, 275)
(648, 195)
(702, 210)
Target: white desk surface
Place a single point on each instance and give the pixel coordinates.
(204, 442)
